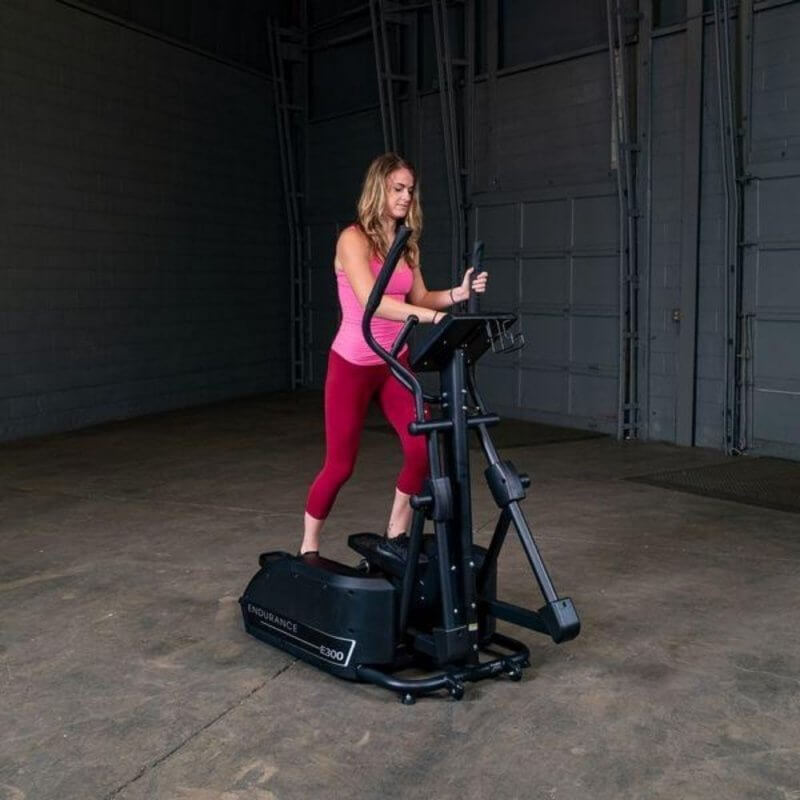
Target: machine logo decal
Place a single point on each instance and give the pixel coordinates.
(332, 649)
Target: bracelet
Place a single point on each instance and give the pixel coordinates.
(452, 299)
(433, 321)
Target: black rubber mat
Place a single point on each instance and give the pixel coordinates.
(514, 433)
(767, 482)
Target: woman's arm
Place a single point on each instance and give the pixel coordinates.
(420, 295)
(352, 255)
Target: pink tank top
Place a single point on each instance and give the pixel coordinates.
(349, 342)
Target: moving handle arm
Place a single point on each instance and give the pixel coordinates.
(405, 376)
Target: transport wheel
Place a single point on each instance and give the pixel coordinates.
(457, 691)
(364, 566)
(515, 674)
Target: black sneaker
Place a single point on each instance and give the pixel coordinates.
(395, 547)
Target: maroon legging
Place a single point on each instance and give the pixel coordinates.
(348, 390)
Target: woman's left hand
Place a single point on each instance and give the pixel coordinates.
(478, 283)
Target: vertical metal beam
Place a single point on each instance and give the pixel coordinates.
(630, 419)
(284, 147)
(388, 77)
(413, 140)
(294, 200)
(627, 407)
(306, 170)
(450, 129)
(375, 11)
(492, 64)
(728, 155)
(644, 221)
(744, 69)
(618, 131)
(692, 132)
(470, 27)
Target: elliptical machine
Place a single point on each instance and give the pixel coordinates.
(435, 610)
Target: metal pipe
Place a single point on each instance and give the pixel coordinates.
(731, 237)
(440, 35)
(379, 72)
(733, 267)
(274, 56)
(296, 233)
(458, 228)
(469, 106)
(644, 110)
(305, 261)
(387, 74)
(622, 212)
(632, 327)
(744, 62)
(726, 409)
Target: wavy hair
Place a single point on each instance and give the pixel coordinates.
(372, 204)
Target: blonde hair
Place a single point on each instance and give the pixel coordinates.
(372, 206)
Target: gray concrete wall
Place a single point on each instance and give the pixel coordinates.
(142, 232)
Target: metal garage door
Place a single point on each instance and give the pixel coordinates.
(772, 312)
(554, 260)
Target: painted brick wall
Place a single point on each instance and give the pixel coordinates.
(339, 151)
(142, 238)
(551, 127)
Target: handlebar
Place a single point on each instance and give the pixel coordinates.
(405, 376)
(473, 301)
(410, 322)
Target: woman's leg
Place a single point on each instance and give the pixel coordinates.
(348, 388)
(400, 515)
(397, 405)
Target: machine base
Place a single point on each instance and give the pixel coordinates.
(344, 621)
(322, 611)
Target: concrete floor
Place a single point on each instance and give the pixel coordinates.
(125, 673)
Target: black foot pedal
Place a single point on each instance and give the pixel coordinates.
(369, 546)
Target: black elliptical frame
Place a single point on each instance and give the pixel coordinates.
(452, 348)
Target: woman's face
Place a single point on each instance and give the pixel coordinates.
(399, 192)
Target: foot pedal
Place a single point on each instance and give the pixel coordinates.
(366, 545)
(272, 556)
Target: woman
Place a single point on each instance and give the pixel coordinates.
(356, 374)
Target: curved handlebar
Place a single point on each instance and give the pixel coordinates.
(405, 376)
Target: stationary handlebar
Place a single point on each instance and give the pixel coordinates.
(405, 376)
(473, 301)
